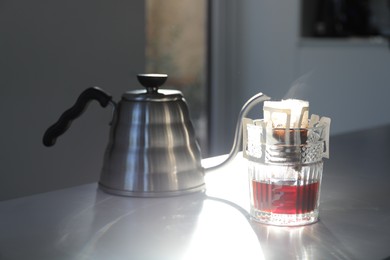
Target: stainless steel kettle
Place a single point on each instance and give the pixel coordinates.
(152, 149)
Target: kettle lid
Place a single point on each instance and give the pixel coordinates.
(152, 82)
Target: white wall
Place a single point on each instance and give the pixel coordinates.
(50, 51)
(347, 81)
(254, 44)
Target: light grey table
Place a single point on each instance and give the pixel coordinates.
(85, 223)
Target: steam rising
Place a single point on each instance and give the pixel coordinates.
(299, 88)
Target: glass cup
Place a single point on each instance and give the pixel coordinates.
(285, 170)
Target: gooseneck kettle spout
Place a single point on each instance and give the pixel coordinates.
(152, 149)
(253, 101)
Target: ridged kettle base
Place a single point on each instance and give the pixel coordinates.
(146, 194)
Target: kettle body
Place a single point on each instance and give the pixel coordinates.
(152, 149)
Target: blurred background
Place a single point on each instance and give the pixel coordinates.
(219, 53)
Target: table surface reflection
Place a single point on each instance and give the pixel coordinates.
(85, 223)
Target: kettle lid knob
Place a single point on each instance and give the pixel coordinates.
(152, 81)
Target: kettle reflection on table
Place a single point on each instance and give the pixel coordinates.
(180, 227)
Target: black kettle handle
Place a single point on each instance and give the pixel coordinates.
(65, 120)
